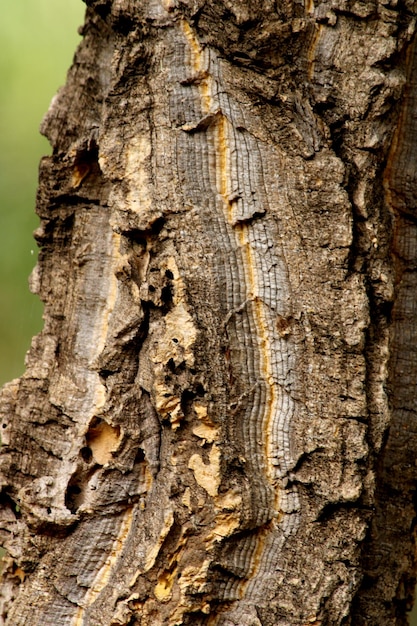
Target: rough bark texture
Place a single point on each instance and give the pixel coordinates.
(217, 423)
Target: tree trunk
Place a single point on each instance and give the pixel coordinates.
(217, 423)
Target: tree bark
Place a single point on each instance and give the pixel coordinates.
(217, 423)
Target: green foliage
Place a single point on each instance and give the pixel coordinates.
(38, 40)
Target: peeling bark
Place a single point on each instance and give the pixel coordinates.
(215, 426)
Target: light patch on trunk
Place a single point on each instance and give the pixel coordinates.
(192, 577)
(163, 589)
(206, 430)
(207, 476)
(228, 507)
(180, 334)
(138, 154)
(103, 440)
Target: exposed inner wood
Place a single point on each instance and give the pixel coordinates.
(215, 426)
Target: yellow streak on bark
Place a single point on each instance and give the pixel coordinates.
(198, 67)
(252, 281)
(227, 522)
(264, 348)
(223, 158)
(104, 573)
(264, 343)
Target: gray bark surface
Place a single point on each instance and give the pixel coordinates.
(217, 423)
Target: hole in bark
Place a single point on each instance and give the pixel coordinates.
(187, 398)
(106, 373)
(386, 309)
(333, 509)
(222, 574)
(169, 274)
(124, 24)
(140, 456)
(49, 510)
(103, 10)
(171, 365)
(200, 391)
(151, 288)
(166, 294)
(86, 454)
(7, 501)
(368, 581)
(197, 617)
(86, 163)
(321, 107)
(337, 130)
(157, 225)
(138, 237)
(72, 497)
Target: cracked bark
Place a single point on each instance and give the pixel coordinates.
(215, 426)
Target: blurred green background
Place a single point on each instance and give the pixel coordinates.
(37, 42)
